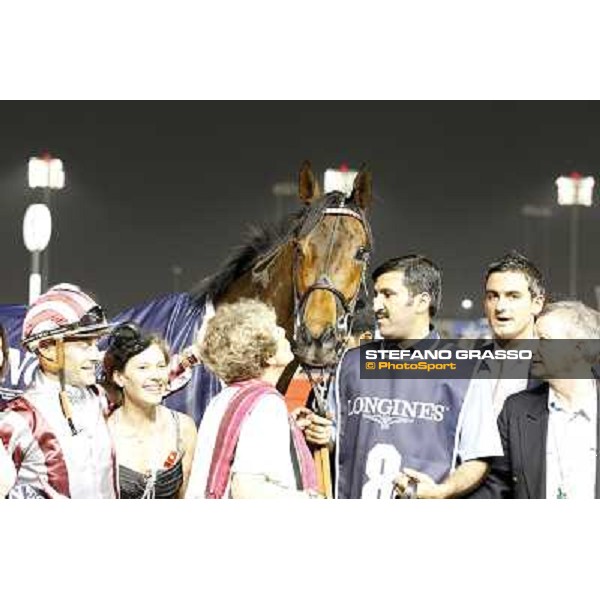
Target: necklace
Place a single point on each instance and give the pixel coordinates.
(142, 442)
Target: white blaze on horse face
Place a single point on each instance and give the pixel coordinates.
(330, 251)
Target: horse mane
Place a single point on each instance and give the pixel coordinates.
(259, 240)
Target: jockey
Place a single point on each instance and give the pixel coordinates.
(56, 433)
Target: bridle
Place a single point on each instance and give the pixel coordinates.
(338, 206)
(334, 204)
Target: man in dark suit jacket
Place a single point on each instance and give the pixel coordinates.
(569, 398)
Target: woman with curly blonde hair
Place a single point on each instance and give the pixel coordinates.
(248, 446)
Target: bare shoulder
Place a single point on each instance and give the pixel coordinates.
(188, 427)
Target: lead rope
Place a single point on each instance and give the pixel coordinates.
(319, 386)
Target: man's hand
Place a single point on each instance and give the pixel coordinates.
(317, 430)
(426, 487)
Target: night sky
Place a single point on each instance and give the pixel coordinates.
(156, 184)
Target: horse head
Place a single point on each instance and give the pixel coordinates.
(310, 267)
(331, 255)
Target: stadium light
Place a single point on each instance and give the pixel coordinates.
(339, 180)
(37, 229)
(574, 191)
(45, 172)
(466, 304)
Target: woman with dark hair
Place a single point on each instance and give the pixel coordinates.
(154, 445)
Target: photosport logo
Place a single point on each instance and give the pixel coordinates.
(445, 359)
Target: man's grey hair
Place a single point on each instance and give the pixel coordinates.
(583, 323)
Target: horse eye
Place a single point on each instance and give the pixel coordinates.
(362, 254)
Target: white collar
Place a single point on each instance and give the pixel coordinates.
(586, 403)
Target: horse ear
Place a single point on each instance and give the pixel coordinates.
(362, 190)
(308, 186)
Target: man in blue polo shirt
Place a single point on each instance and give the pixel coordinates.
(403, 436)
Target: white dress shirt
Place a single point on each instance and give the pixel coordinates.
(571, 446)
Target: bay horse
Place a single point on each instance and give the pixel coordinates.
(310, 267)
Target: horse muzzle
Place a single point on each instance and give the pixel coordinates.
(317, 352)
